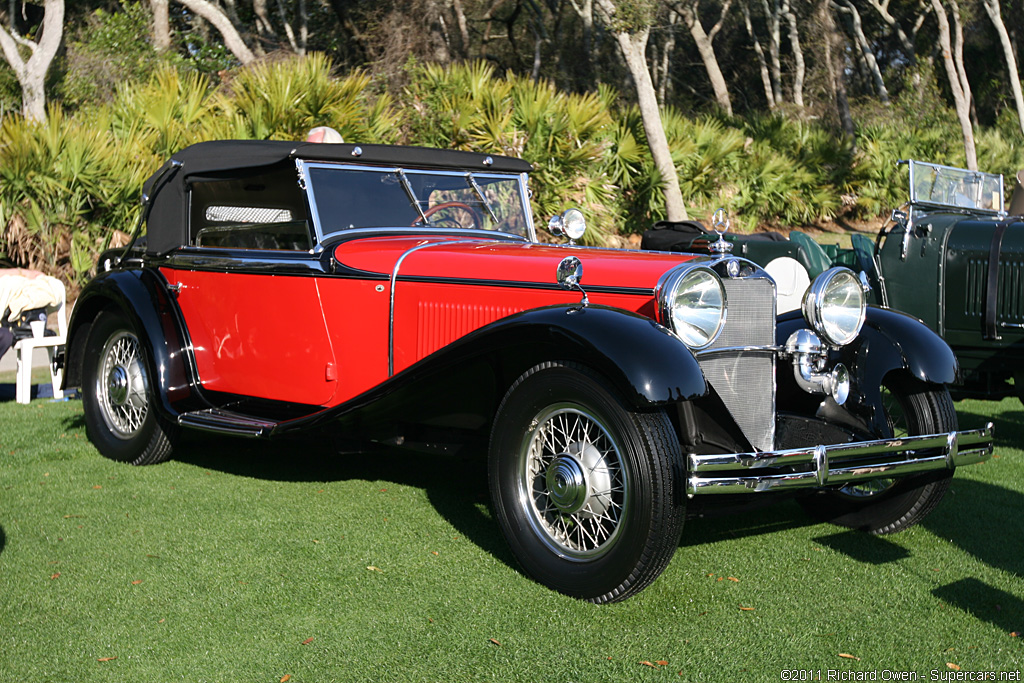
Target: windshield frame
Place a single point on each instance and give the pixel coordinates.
(921, 171)
(468, 177)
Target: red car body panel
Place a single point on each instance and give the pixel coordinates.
(325, 340)
(469, 284)
(257, 335)
(357, 313)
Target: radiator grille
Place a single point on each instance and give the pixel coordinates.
(1009, 298)
(745, 380)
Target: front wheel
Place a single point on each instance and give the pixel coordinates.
(117, 396)
(885, 506)
(585, 490)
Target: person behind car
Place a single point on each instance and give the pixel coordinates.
(12, 283)
(324, 134)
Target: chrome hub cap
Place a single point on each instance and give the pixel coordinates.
(117, 385)
(121, 385)
(897, 420)
(567, 484)
(868, 489)
(573, 483)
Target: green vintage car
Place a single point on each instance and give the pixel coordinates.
(952, 256)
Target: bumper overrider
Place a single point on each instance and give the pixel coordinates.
(836, 464)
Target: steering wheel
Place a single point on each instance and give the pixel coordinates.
(451, 221)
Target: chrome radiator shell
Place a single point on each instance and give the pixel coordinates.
(740, 364)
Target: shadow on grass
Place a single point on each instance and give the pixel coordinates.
(863, 547)
(3, 540)
(455, 486)
(1009, 424)
(984, 520)
(74, 421)
(999, 608)
(724, 522)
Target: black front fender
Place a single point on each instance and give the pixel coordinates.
(890, 341)
(142, 298)
(649, 365)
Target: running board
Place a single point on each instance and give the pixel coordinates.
(226, 422)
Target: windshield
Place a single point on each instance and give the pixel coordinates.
(354, 197)
(955, 187)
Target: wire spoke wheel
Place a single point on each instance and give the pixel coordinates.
(573, 476)
(117, 395)
(121, 385)
(896, 417)
(583, 487)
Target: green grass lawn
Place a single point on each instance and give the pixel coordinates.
(243, 561)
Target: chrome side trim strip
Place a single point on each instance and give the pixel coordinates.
(391, 302)
(826, 465)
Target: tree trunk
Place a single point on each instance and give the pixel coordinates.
(298, 45)
(993, 11)
(906, 42)
(264, 27)
(460, 19)
(834, 66)
(585, 11)
(799, 70)
(774, 39)
(663, 66)
(633, 48)
(232, 38)
(960, 98)
(31, 74)
(766, 79)
(861, 40)
(690, 13)
(161, 25)
(958, 58)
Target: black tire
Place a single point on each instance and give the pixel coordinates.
(886, 506)
(587, 492)
(117, 396)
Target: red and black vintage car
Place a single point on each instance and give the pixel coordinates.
(399, 295)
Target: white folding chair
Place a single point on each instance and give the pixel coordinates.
(24, 349)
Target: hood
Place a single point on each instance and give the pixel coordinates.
(504, 261)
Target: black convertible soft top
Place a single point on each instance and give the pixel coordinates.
(166, 227)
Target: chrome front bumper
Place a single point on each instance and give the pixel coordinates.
(836, 464)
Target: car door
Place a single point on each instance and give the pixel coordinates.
(254, 334)
(247, 288)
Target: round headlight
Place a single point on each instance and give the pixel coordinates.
(693, 304)
(834, 306)
(570, 224)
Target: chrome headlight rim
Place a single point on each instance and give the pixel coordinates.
(668, 289)
(839, 324)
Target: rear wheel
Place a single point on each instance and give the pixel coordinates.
(584, 489)
(117, 396)
(885, 506)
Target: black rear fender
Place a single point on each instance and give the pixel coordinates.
(142, 298)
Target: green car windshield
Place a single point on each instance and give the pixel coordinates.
(945, 186)
(347, 197)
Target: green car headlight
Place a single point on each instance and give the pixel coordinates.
(834, 306)
(693, 304)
